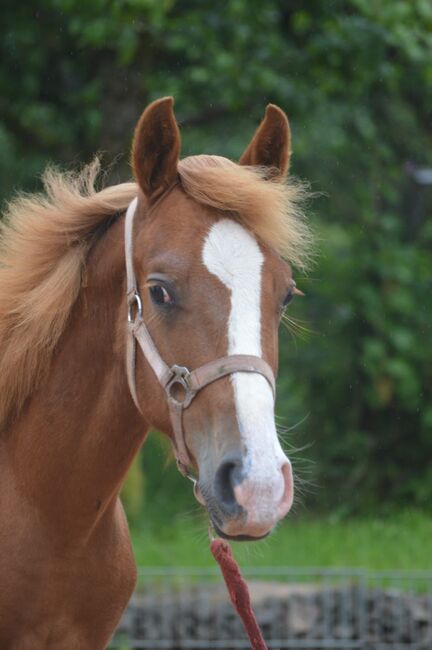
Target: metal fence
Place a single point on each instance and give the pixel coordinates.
(336, 609)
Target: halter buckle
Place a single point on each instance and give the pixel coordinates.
(134, 300)
(181, 376)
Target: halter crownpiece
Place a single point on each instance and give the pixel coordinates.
(190, 382)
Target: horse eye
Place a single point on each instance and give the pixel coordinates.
(160, 295)
(288, 298)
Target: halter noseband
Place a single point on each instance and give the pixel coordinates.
(190, 381)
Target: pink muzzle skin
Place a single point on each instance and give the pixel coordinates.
(263, 505)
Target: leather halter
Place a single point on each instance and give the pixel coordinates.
(190, 382)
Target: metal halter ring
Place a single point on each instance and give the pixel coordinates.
(134, 299)
(181, 376)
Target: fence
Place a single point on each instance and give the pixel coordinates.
(340, 609)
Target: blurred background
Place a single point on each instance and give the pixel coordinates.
(355, 78)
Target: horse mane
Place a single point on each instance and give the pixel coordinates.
(45, 238)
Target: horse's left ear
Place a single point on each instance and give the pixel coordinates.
(156, 148)
(271, 144)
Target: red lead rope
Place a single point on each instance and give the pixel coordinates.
(238, 591)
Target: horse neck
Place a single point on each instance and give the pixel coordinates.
(73, 444)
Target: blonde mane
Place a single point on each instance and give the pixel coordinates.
(43, 247)
(45, 239)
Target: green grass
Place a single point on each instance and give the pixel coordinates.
(401, 541)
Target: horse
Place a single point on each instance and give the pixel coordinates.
(91, 317)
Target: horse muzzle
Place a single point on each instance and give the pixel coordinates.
(244, 504)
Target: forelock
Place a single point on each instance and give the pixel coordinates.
(269, 207)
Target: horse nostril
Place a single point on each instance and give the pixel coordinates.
(228, 475)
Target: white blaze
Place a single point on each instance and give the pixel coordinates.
(232, 254)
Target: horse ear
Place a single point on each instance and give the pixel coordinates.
(156, 148)
(271, 144)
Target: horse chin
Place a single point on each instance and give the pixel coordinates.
(238, 538)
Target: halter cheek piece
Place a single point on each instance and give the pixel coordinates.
(190, 382)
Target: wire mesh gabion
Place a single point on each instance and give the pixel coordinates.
(337, 609)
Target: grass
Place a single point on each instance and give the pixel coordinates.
(401, 541)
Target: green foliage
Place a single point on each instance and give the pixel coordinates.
(356, 80)
(365, 377)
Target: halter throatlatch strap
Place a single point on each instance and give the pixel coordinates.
(179, 384)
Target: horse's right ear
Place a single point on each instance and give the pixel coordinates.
(156, 148)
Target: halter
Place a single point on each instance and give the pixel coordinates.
(190, 382)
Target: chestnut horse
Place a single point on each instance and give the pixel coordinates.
(208, 243)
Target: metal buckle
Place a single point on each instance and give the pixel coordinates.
(134, 299)
(180, 375)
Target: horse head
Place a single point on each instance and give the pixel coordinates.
(208, 241)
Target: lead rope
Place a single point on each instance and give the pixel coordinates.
(238, 591)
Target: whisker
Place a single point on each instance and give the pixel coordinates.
(284, 430)
(296, 326)
(290, 331)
